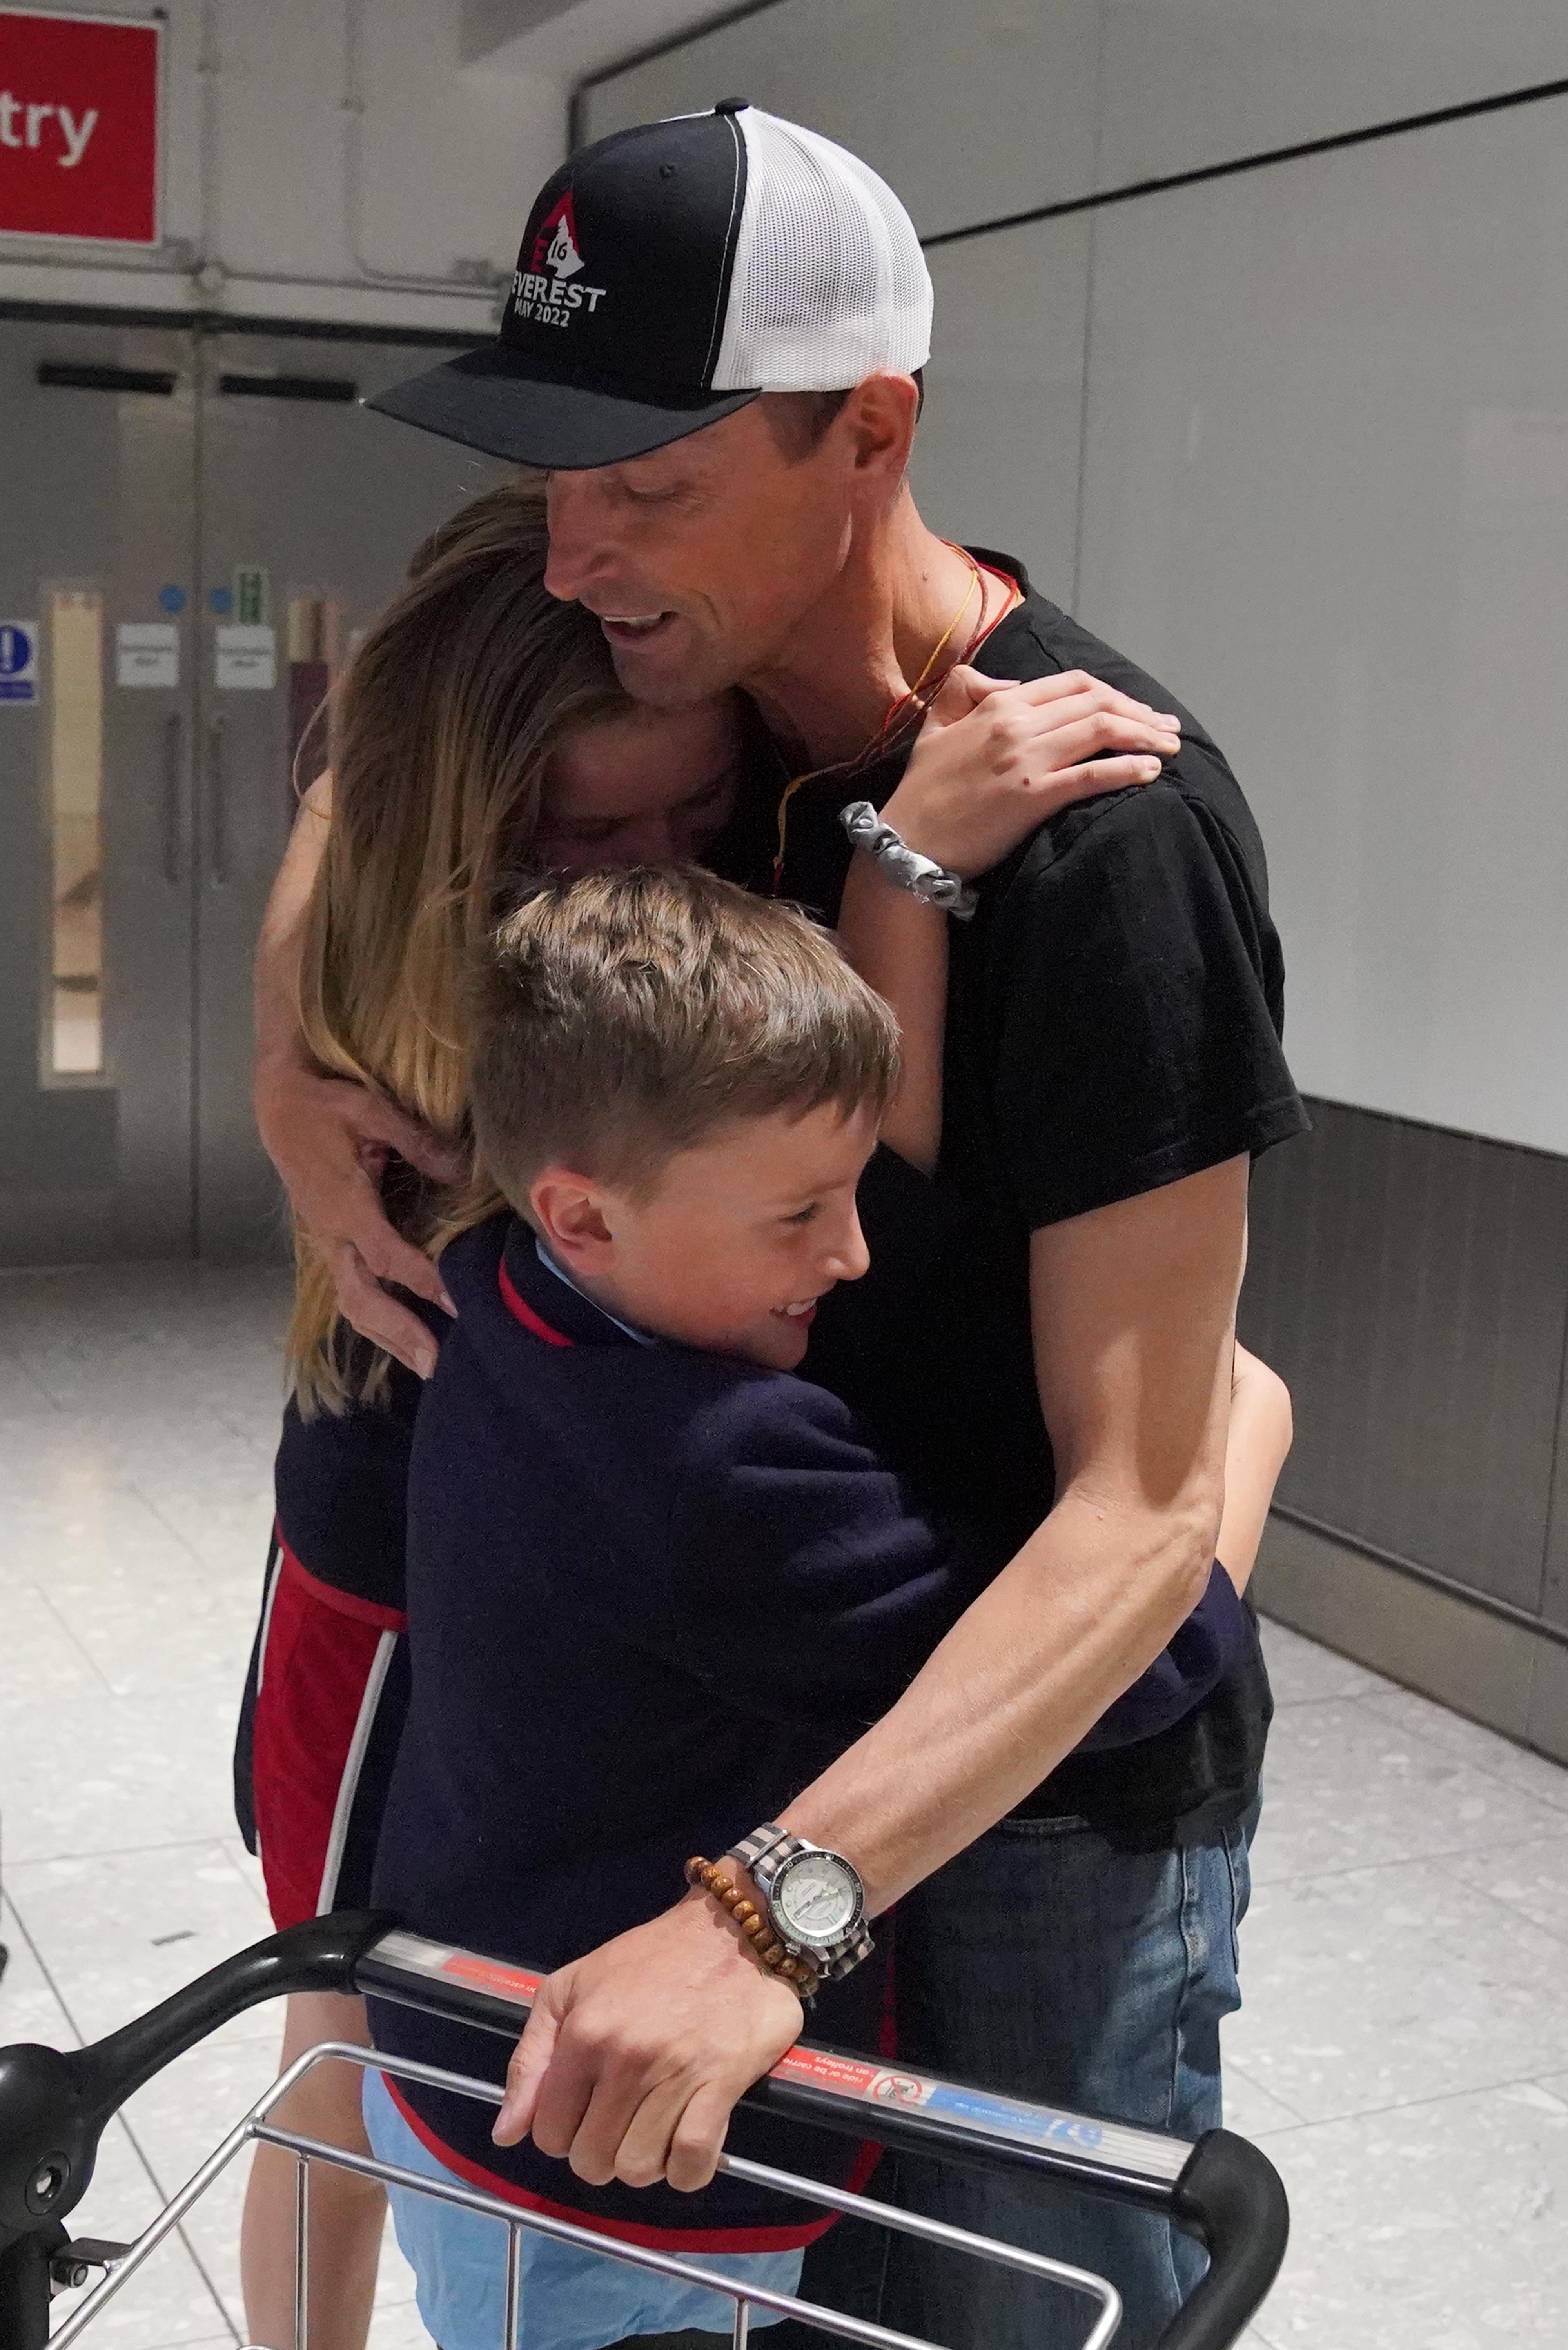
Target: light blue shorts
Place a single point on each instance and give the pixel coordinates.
(568, 2299)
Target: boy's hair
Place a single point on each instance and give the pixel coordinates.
(620, 1018)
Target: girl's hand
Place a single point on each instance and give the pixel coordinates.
(995, 758)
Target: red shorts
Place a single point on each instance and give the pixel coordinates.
(323, 1713)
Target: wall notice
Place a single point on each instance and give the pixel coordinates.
(19, 660)
(247, 659)
(78, 126)
(146, 653)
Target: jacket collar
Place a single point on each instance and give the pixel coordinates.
(549, 1305)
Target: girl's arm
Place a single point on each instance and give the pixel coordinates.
(994, 761)
(1255, 1453)
(900, 947)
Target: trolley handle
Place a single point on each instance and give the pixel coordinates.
(1222, 2190)
(54, 2106)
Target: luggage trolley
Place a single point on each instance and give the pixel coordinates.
(54, 2106)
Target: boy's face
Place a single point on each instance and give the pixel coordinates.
(735, 1245)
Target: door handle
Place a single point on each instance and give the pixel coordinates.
(173, 737)
(217, 806)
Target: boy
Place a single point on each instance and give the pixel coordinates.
(655, 1582)
(652, 1578)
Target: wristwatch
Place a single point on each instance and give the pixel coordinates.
(815, 1901)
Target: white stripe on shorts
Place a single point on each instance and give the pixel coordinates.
(348, 1786)
(273, 1576)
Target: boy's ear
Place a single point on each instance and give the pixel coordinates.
(568, 1215)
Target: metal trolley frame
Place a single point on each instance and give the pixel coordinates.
(54, 2106)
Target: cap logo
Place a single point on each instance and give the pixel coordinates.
(550, 300)
(557, 252)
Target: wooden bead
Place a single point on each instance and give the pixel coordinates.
(765, 1945)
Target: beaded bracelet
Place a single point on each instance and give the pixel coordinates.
(763, 1943)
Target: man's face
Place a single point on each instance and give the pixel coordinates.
(702, 559)
(736, 1242)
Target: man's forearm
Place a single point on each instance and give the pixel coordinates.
(1132, 1311)
(1083, 1608)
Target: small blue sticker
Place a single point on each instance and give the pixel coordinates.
(19, 660)
(172, 598)
(218, 600)
(1012, 2119)
(15, 648)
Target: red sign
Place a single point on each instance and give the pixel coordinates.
(79, 127)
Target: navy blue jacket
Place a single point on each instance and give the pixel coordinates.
(651, 1593)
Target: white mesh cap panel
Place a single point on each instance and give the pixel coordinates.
(829, 282)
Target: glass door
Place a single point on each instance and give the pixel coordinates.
(311, 508)
(194, 528)
(97, 589)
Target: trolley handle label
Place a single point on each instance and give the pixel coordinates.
(985, 2111)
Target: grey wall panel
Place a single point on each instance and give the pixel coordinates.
(1556, 1588)
(1326, 500)
(1412, 1286)
(1190, 82)
(1430, 1640)
(997, 458)
(967, 114)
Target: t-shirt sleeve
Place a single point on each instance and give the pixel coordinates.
(1134, 1040)
(802, 1581)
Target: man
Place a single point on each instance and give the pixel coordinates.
(1112, 1065)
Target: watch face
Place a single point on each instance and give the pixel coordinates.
(817, 1898)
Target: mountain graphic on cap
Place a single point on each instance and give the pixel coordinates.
(672, 273)
(560, 255)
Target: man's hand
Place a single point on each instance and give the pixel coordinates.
(994, 758)
(329, 1139)
(634, 2057)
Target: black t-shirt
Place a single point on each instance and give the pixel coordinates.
(1114, 1020)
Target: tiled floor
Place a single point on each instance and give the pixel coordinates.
(1403, 2049)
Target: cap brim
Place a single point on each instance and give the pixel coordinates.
(487, 401)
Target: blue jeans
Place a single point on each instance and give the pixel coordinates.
(569, 2298)
(1045, 1962)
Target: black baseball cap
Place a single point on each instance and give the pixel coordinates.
(670, 275)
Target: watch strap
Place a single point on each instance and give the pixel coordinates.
(761, 1844)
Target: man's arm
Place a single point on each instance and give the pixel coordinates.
(635, 2055)
(329, 1137)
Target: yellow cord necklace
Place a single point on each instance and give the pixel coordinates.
(911, 704)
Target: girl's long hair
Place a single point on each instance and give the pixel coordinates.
(442, 725)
